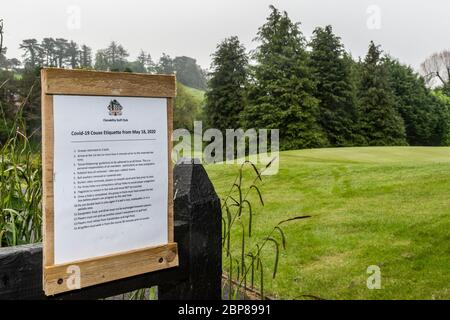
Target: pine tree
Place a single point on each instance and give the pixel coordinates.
(381, 123)
(331, 70)
(85, 57)
(73, 54)
(281, 91)
(61, 52)
(144, 63)
(116, 56)
(48, 52)
(31, 53)
(225, 97)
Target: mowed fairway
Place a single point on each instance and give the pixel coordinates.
(384, 206)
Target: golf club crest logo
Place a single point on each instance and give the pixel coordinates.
(115, 108)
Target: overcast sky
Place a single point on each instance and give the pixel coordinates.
(407, 29)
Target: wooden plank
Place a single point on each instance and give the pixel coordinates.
(21, 275)
(47, 177)
(95, 83)
(170, 165)
(111, 267)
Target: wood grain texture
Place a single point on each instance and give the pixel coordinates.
(96, 83)
(111, 267)
(170, 166)
(47, 178)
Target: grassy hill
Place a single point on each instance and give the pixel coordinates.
(199, 95)
(385, 206)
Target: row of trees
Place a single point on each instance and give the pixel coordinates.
(63, 53)
(318, 95)
(58, 52)
(20, 85)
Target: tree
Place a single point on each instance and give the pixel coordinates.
(48, 46)
(147, 61)
(116, 56)
(3, 59)
(381, 123)
(225, 98)
(13, 64)
(444, 102)
(437, 67)
(5, 63)
(31, 52)
(331, 70)
(165, 65)
(121, 60)
(73, 54)
(143, 63)
(1, 37)
(113, 58)
(85, 57)
(281, 91)
(101, 60)
(446, 89)
(28, 90)
(189, 72)
(425, 119)
(60, 51)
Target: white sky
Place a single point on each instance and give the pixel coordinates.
(409, 29)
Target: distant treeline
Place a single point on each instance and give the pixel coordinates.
(319, 96)
(20, 86)
(63, 53)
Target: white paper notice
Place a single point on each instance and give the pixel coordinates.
(110, 175)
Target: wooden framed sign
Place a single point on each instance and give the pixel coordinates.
(107, 176)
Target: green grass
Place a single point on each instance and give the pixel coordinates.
(199, 95)
(385, 206)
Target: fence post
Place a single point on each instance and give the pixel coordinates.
(197, 204)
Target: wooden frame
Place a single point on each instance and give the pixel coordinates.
(121, 265)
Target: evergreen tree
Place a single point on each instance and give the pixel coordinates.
(85, 57)
(113, 58)
(48, 52)
(31, 53)
(331, 70)
(73, 54)
(446, 89)
(381, 123)
(60, 52)
(144, 63)
(281, 91)
(425, 119)
(225, 98)
(116, 57)
(101, 60)
(444, 102)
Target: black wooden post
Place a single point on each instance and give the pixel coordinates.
(197, 231)
(196, 203)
